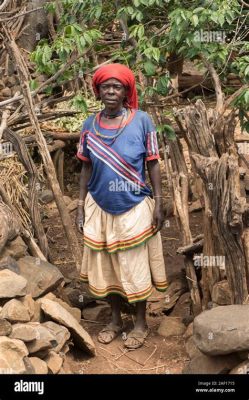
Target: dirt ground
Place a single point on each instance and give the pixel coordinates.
(159, 355)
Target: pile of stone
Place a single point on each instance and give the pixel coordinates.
(37, 328)
(217, 342)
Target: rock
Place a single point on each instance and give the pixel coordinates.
(241, 369)
(24, 332)
(182, 308)
(60, 332)
(42, 276)
(100, 313)
(174, 292)
(195, 206)
(243, 355)
(222, 330)
(171, 326)
(46, 196)
(191, 349)
(45, 339)
(9, 263)
(5, 327)
(203, 364)
(62, 316)
(29, 304)
(54, 362)
(65, 349)
(15, 311)
(11, 284)
(16, 249)
(65, 369)
(12, 353)
(77, 294)
(28, 366)
(40, 366)
(189, 332)
(76, 313)
(221, 293)
(38, 314)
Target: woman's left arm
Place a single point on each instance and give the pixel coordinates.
(155, 179)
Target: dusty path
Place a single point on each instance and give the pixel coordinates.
(158, 356)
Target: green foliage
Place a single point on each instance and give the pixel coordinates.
(167, 130)
(79, 103)
(191, 29)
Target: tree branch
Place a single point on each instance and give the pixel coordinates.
(217, 84)
(20, 15)
(5, 116)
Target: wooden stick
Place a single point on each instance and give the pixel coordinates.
(153, 352)
(20, 15)
(217, 84)
(124, 353)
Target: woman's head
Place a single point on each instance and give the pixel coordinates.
(115, 82)
(112, 93)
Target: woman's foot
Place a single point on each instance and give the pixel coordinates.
(136, 338)
(110, 332)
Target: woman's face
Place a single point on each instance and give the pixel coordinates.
(112, 93)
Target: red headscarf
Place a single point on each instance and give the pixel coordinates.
(121, 73)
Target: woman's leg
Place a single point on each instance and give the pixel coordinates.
(140, 324)
(115, 302)
(115, 326)
(137, 336)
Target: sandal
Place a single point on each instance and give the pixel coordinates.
(112, 330)
(139, 336)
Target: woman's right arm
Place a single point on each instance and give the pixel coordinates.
(85, 176)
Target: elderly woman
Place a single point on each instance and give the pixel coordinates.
(117, 212)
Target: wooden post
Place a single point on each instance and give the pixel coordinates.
(225, 230)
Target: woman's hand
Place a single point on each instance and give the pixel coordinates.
(80, 219)
(158, 216)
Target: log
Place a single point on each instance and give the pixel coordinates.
(214, 158)
(57, 145)
(191, 248)
(227, 209)
(180, 190)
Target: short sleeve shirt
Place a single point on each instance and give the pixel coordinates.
(117, 182)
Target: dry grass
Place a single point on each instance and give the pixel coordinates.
(14, 179)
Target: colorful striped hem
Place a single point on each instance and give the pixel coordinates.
(161, 286)
(131, 298)
(120, 245)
